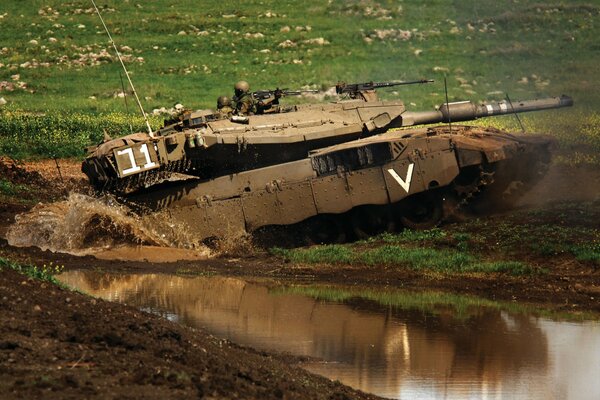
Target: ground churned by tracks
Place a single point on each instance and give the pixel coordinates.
(55, 343)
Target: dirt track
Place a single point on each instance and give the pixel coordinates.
(61, 344)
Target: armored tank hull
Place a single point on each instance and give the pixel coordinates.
(334, 170)
(413, 178)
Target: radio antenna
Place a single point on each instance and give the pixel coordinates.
(125, 98)
(516, 115)
(448, 105)
(137, 99)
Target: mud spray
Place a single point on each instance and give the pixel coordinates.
(84, 225)
(564, 183)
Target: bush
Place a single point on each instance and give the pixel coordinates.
(60, 135)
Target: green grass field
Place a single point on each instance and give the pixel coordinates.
(484, 47)
(55, 56)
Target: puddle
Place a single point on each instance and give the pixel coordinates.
(152, 254)
(391, 343)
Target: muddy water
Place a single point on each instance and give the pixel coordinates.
(392, 343)
(102, 227)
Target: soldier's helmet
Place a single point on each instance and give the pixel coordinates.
(223, 101)
(241, 87)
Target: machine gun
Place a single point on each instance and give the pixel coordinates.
(267, 101)
(277, 93)
(365, 91)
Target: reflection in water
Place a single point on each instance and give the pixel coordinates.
(386, 350)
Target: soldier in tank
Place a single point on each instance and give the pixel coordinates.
(224, 107)
(269, 105)
(246, 104)
(243, 99)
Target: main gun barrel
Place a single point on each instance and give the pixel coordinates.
(468, 111)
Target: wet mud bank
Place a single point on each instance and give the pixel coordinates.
(56, 343)
(67, 344)
(567, 286)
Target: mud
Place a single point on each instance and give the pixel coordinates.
(60, 344)
(83, 224)
(63, 348)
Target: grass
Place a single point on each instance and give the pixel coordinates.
(410, 249)
(589, 252)
(54, 56)
(9, 188)
(332, 254)
(193, 55)
(59, 134)
(408, 235)
(509, 245)
(566, 230)
(46, 273)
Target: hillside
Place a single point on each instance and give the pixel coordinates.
(56, 56)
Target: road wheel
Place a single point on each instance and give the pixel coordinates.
(371, 220)
(325, 229)
(422, 210)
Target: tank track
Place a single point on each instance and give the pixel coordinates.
(461, 194)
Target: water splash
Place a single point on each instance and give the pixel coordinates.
(84, 225)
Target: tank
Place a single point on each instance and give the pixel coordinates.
(333, 170)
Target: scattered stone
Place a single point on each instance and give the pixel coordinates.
(256, 35)
(287, 43)
(390, 34)
(318, 41)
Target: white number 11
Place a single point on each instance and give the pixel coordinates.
(134, 167)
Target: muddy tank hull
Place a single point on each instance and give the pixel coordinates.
(205, 147)
(411, 178)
